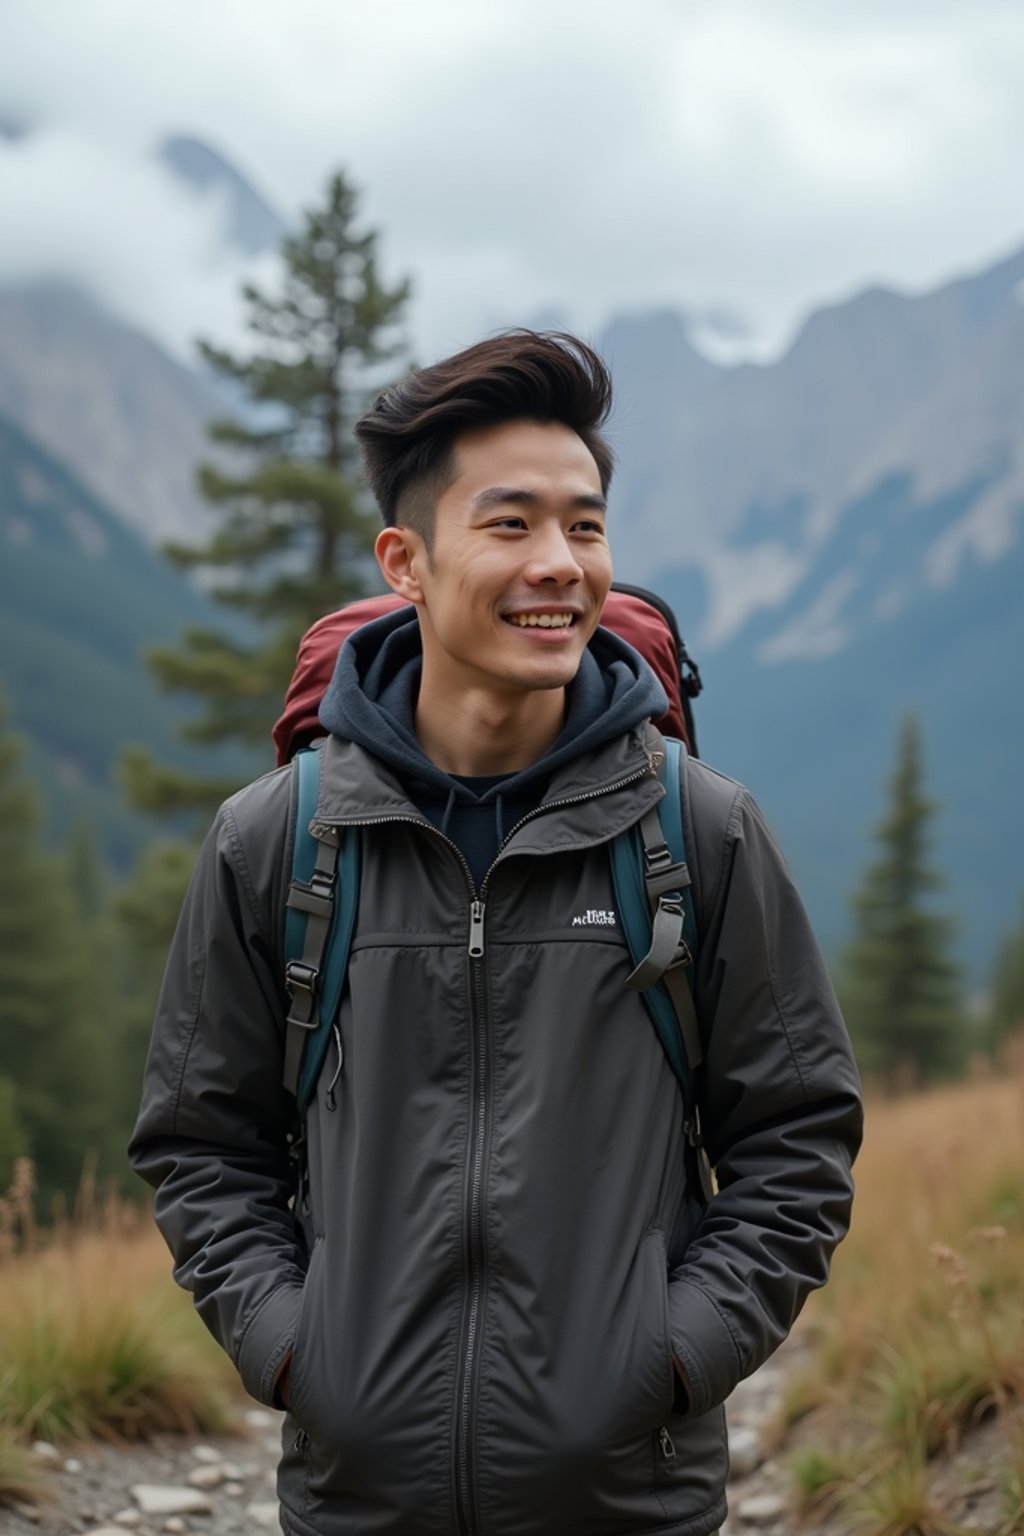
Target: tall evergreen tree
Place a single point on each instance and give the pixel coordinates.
(48, 1070)
(898, 980)
(293, 539)
(145, 912)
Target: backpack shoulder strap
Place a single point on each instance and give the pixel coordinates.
(655, 900)
(653, 891)
(320, 917)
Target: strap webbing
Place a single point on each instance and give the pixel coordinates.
(652, 886)
(315, 901)
(667, 882)
(320, 916)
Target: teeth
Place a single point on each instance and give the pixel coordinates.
(542, 620)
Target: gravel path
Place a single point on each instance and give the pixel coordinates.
(225, 1486)
(222, 1486)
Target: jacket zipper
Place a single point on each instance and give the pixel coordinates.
(473, 1260)
(475, 1245)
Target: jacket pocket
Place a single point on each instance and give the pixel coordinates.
(302, 1344)
(657, 1282)
(692, 1464)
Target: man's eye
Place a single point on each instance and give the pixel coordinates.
(509, 522)
(588, 526)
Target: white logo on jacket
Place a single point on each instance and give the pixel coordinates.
(594, 917)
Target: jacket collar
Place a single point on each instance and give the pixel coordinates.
(594, 796)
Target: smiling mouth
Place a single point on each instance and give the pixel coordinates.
(541, 620)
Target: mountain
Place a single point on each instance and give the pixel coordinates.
(815, 740)
(842, 534)
(253, 225)
(81, 597)
(742, 476)
(108, 402)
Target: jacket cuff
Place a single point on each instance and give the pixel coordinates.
(268, 1337)
(704, 1344)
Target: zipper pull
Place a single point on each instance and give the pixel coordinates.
(476, 930)
(668, 1449)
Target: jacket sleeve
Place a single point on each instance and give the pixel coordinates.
(211, 1133)
(781, 1100)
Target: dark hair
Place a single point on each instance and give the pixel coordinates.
(407, 434)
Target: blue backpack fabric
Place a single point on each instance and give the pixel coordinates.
(652, 891)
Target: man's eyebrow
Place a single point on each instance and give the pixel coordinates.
(505, 495)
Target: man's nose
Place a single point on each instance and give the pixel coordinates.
(552, 559)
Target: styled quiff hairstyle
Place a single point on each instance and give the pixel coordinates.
(408, 433)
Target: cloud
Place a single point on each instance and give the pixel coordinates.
(590, 158)
(113, 220)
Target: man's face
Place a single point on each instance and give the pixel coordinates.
(520, 565)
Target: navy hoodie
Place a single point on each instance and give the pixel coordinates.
(372, 700)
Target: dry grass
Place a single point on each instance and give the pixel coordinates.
(95, 1339)
(896, 1502)
(921, 1332)
(19, 1470)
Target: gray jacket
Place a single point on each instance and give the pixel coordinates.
(506, 1242)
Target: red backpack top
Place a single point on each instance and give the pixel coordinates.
(632, 615)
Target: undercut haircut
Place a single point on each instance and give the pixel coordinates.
(407, 436)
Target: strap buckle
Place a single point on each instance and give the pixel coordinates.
(315, 896)
(301, 982)
(657, 857)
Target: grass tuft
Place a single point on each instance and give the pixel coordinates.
(895, 1502)
(84, 1362)
(822, 1479)
(920, 1335)
(20, 1480)
(95, 1338)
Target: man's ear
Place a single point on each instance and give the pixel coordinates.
(400, 554)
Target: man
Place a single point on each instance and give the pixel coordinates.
(507, 1308)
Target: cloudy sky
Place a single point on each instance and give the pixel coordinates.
(742, 160)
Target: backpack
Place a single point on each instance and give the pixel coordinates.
(649, 869)
(637, 616)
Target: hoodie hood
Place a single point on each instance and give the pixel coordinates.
(372, 701)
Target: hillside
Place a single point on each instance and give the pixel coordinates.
(81, 596)
(816, 740)
(108, 402)
(842, 534)
(745, 476)
(840, 531)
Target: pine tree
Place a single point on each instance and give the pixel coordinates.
(142, 921)
(293, 539)
(898, 980)
(48, 1086)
